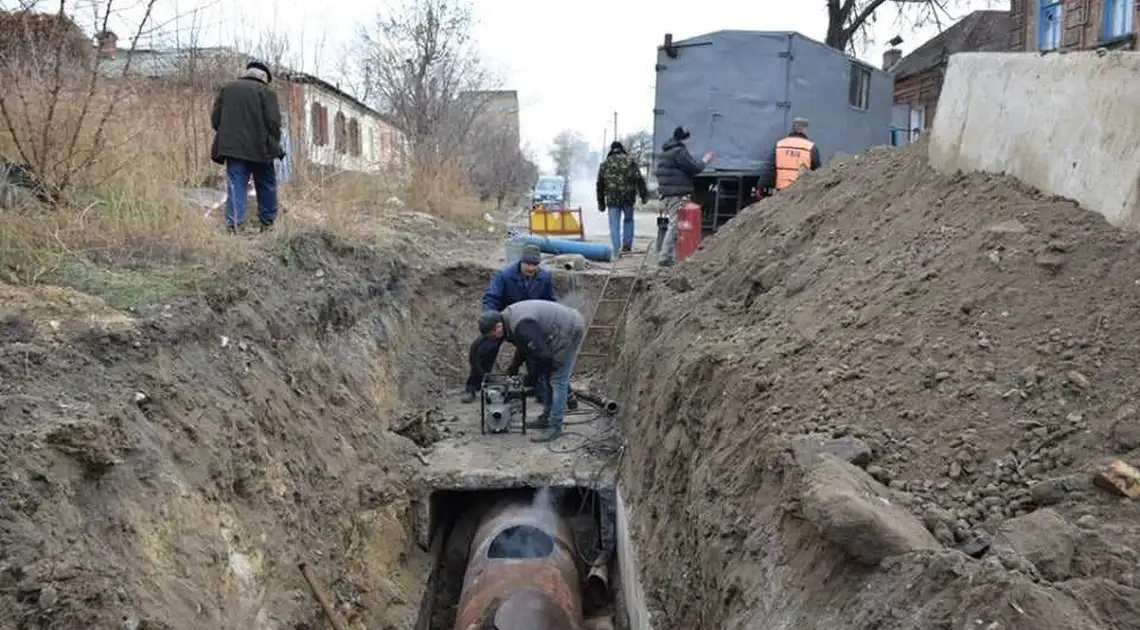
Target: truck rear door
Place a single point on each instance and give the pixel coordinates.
(731, 90)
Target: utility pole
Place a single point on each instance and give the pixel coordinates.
(615, 126)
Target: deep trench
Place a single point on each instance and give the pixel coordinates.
(589, 513)
(270, 371)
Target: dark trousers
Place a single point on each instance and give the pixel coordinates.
(482, 361)
(264, 176)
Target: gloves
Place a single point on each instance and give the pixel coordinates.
(601, 208)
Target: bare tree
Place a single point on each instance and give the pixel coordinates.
(568, 151)
(53, 111)
(501, 170)
(639, 145)
(848, 21)
(420, 66)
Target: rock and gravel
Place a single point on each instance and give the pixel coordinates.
(967, 343)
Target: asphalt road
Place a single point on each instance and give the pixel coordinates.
(598, 226)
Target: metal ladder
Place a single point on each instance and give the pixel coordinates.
(600, 342)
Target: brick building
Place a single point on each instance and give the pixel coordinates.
(1073, 24)
(918, 76)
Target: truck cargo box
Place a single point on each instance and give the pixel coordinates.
(738, 91)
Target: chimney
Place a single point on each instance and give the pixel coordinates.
(890, 58)
(106, 44)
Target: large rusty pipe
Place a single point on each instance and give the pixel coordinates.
(522, 572)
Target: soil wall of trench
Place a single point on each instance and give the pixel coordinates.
(876, 401)
(168, 469)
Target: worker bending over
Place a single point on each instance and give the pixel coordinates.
(524, 280)
(793, 155)
(675, 172)
(550, 334)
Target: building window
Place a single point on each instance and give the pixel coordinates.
(340, 133)
(1118, 18)
(1049, 25)
(917, 122)
(319, 124)
(859, 90)
(354, 138)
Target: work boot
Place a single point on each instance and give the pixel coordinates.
(541, 422)
(266, 226)
(549, 435)
(626, 249)
(468, 398)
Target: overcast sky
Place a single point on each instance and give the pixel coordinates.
(573, 62)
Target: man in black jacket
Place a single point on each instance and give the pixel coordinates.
(247, 138)
(675, 172)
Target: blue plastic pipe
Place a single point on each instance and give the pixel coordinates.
(591, 251)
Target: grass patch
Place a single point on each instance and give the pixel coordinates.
(133, 288)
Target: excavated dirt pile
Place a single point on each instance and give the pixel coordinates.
(169, 468)
(877, 401)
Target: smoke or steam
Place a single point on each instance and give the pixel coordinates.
(574, 300)
(583, 177)
(543, 502)
(530, 541)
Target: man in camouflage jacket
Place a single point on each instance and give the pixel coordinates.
(620, 183)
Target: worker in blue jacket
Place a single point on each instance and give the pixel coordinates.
(524, 280)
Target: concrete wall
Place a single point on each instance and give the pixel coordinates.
(1065, 124)
(632, 591)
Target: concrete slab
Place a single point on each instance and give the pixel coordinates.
(471, 461)
(1064, 124)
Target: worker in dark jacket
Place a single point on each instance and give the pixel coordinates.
(793, 155)
(551, 335)
(676, 169)
(524, 280)
(620, 183)
(247, 138)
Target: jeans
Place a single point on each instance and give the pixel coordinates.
(264, 175)
(557, 386)
(621, 217)
(667, 257)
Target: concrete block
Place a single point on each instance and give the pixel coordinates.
(1064, 124)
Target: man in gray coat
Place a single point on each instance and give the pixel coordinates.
(551, 335)
(246, 118)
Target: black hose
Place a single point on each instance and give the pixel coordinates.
(607, 405)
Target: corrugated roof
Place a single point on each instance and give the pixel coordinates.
(980, 31)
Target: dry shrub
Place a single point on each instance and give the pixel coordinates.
(347, 203)
(119, 154)
(445, 189)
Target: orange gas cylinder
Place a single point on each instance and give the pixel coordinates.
(688, 229)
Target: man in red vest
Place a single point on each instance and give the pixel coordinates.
(793, 155)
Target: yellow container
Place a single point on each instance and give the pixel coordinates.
(563, 222)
